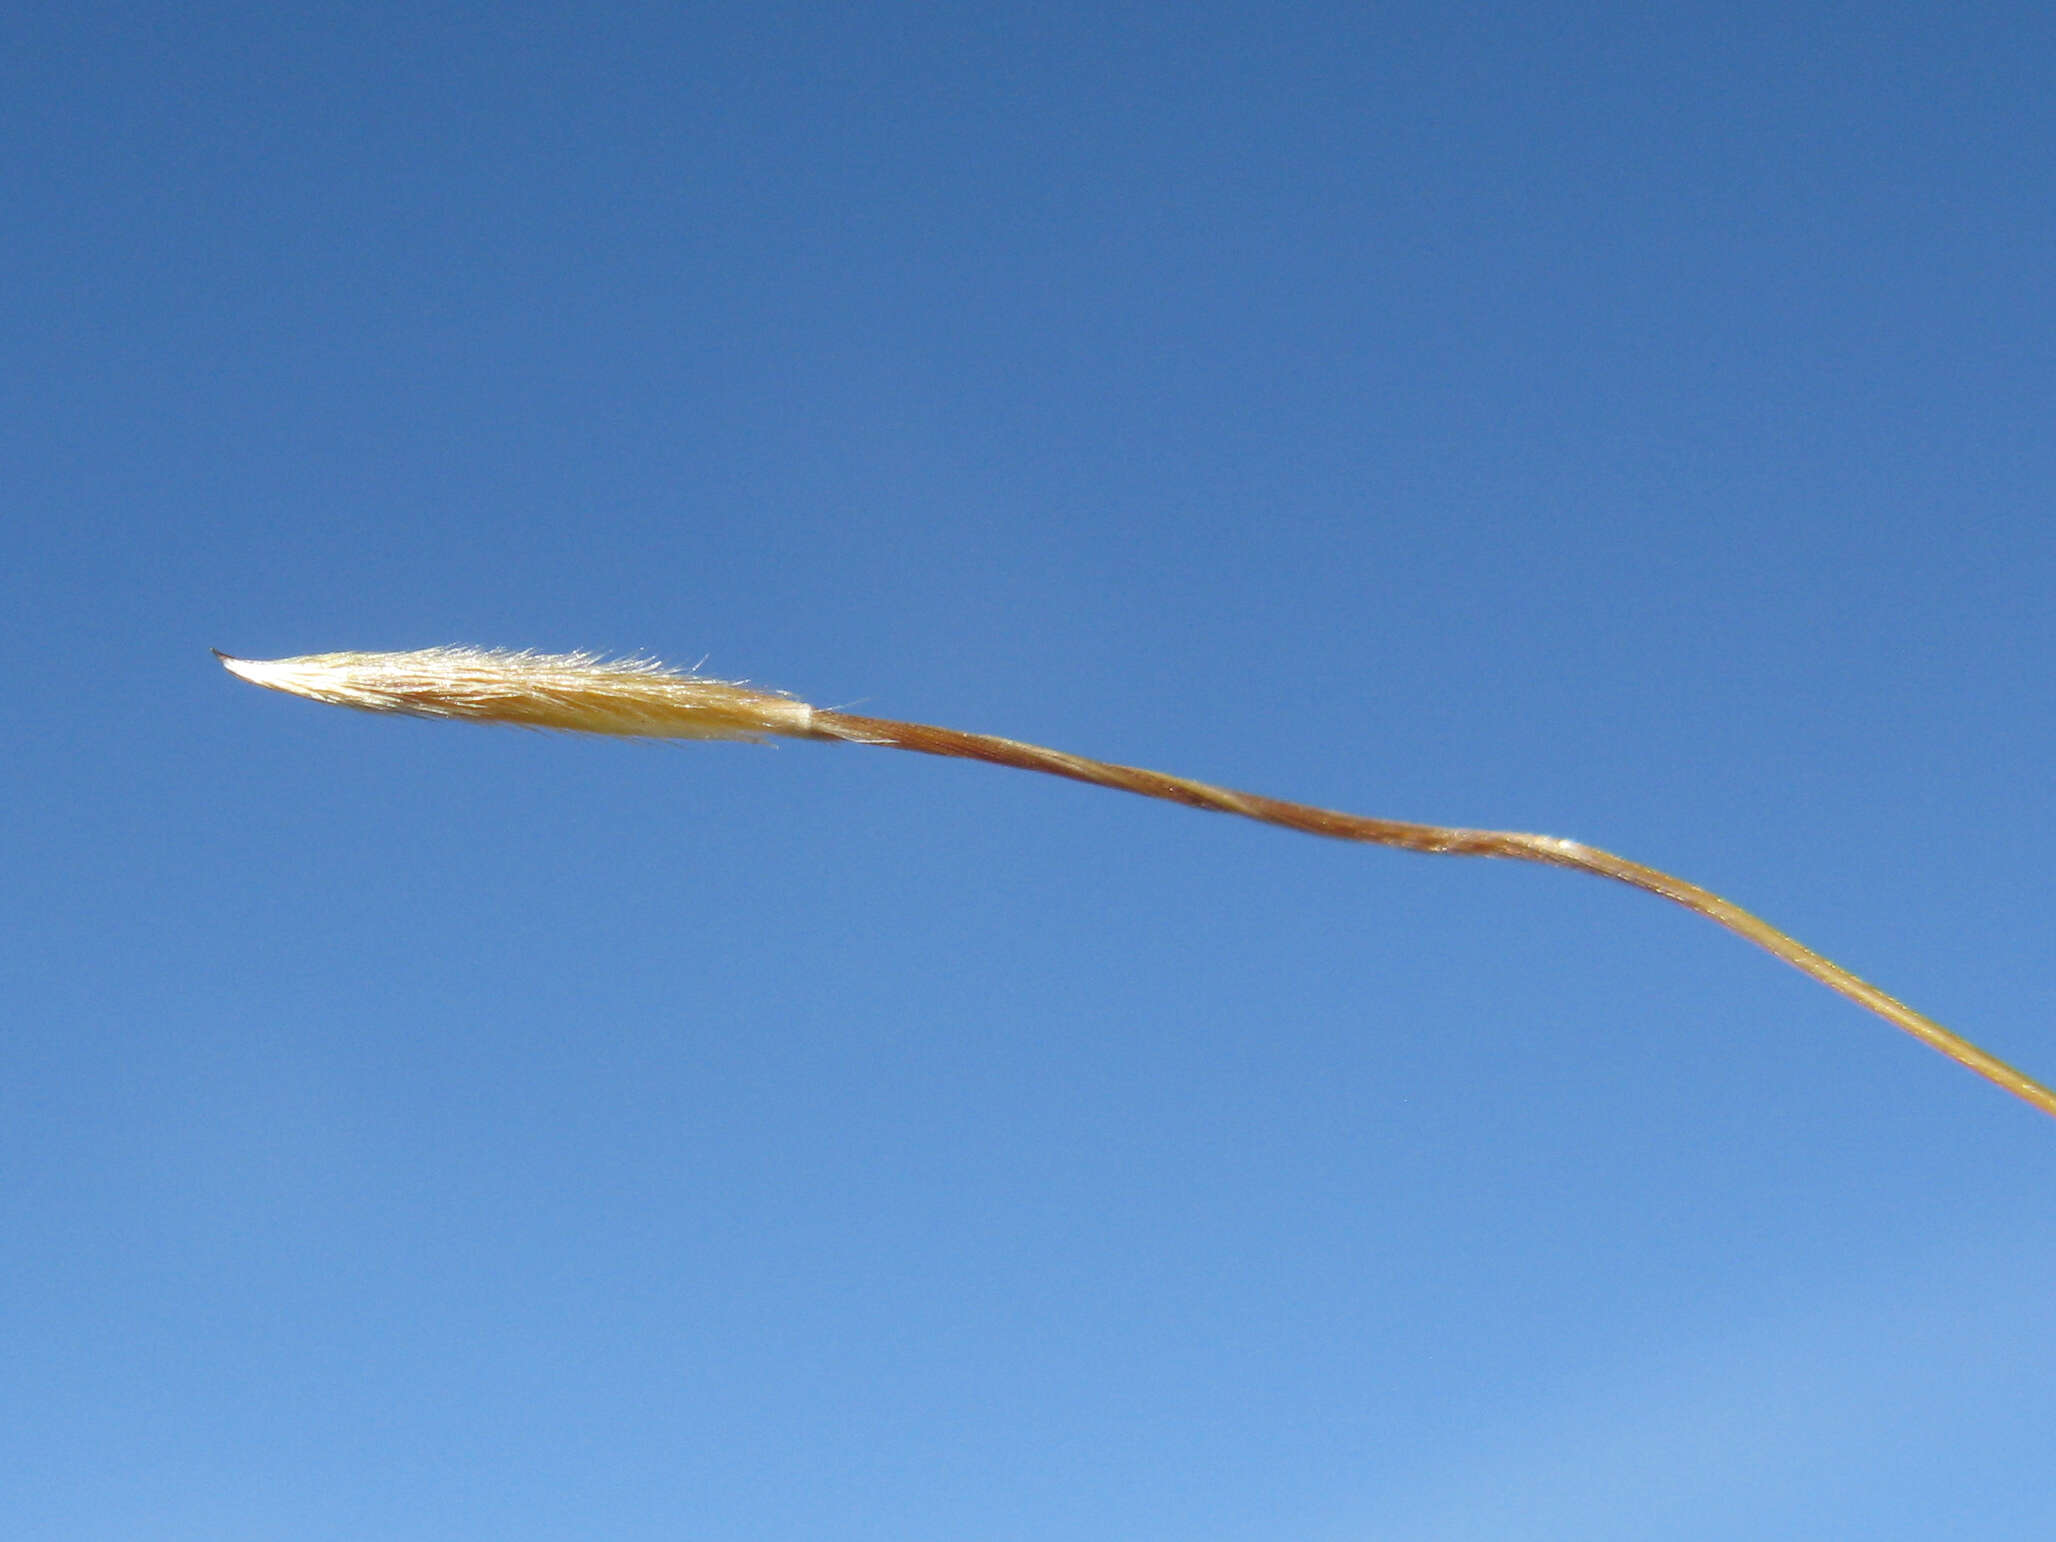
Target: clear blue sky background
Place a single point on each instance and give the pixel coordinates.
(1623, 422)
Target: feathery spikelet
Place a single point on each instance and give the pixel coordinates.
(575, 692)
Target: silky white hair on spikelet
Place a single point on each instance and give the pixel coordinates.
(573, 692)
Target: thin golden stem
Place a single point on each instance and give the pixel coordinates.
(929, 740)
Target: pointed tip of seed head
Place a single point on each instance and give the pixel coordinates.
(242, 669)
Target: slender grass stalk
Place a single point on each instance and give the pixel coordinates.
(583, 693)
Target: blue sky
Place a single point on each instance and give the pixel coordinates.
(1632, 425)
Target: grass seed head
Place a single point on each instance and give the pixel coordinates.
(574, 692)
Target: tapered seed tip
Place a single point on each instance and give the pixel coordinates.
(242, 669)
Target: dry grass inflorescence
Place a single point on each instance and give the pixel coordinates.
(639, 698)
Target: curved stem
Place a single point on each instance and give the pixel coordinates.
(927, 739)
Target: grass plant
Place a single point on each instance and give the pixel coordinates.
(585, 693)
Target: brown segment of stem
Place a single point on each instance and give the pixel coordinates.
(1407, 836)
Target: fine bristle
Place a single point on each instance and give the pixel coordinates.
(572, 692)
